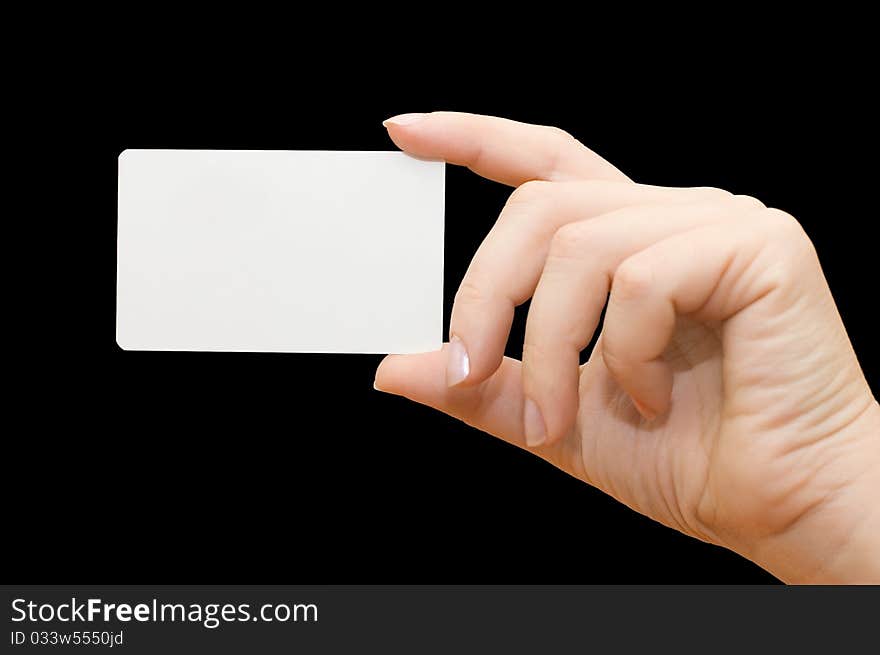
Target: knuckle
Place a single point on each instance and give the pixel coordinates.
(529, 193)
(785, 229)
(571, 240)
(470, 293)
(781, 223)
(632, 279)
(559, 133)
(711, 193)
(533, 353)
(792, 252)
(614, 361)
(747, 203)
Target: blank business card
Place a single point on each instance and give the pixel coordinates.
(279, 251)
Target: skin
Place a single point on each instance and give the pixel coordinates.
(723, 398)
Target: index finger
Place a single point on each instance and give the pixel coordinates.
(499, 149)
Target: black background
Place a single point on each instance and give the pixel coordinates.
(202, 468)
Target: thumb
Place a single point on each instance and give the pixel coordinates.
(494, 406)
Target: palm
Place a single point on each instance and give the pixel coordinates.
(666, 464)
(735, 448)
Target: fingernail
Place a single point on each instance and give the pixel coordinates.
(536, 431)
(457, 363)
(644, 411)
(403, 119)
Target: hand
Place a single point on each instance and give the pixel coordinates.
(723, 397)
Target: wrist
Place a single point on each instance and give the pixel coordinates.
(858, 562)
(839, 542)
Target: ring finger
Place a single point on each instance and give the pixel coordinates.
(571, 293)
(505, 270)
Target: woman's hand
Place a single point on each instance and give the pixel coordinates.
(723, 397)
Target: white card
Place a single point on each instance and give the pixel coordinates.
(279, 251)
